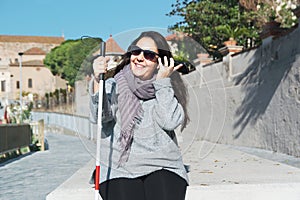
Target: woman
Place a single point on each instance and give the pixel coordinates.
(140, 158)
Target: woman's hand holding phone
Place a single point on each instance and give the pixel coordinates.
(166, 68)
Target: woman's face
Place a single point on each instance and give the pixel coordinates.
(141, 67)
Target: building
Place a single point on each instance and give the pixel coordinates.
(36, 78)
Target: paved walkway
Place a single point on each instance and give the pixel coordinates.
(35, 175)
(217, 172)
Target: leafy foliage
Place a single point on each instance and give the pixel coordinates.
(232, 32)
(201, 17)
(71, 59)
(280, 11)
(57, 59)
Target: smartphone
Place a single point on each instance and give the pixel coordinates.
(184, 69)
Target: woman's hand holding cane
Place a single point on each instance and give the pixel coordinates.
(100, 65)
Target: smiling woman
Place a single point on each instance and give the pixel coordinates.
(140, 158)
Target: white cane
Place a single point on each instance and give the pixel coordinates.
(99, 127)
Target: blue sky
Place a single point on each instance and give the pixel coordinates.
(98, 18)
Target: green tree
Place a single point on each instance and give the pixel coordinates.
(58, 57)
(81, 57)
(201, 17)
(73, 58)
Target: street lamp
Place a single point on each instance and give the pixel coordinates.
(20, 84)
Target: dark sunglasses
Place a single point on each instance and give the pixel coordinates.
(148, 54)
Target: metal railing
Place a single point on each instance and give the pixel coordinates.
(14, 137)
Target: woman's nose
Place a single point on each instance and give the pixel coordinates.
(141, 57)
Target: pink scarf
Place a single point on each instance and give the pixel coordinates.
(131, 91)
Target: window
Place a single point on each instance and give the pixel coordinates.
(3, 86)
(30, 83)
(18, 84)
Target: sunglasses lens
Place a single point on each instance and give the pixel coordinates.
(136, 52)
(149, 55)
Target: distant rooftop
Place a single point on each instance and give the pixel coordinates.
(112, 47)
(34, 51)
(31, 39)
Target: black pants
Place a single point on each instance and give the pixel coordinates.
(159, 185)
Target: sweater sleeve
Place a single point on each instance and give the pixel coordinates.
(168, 113)
(107, 114)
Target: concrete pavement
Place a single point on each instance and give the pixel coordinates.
(217, 171)
(35, 175)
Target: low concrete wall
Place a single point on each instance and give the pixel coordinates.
(14, 136)
(79, 125)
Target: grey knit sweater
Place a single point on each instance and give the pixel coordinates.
(154, 142)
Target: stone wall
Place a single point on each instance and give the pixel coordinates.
(249, 99)
(42, 81)
(9, 50)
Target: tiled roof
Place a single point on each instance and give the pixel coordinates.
(171, 37)
(176, 36)
(34, 51)
(30, 63)
(31, 39)
(112, 47)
